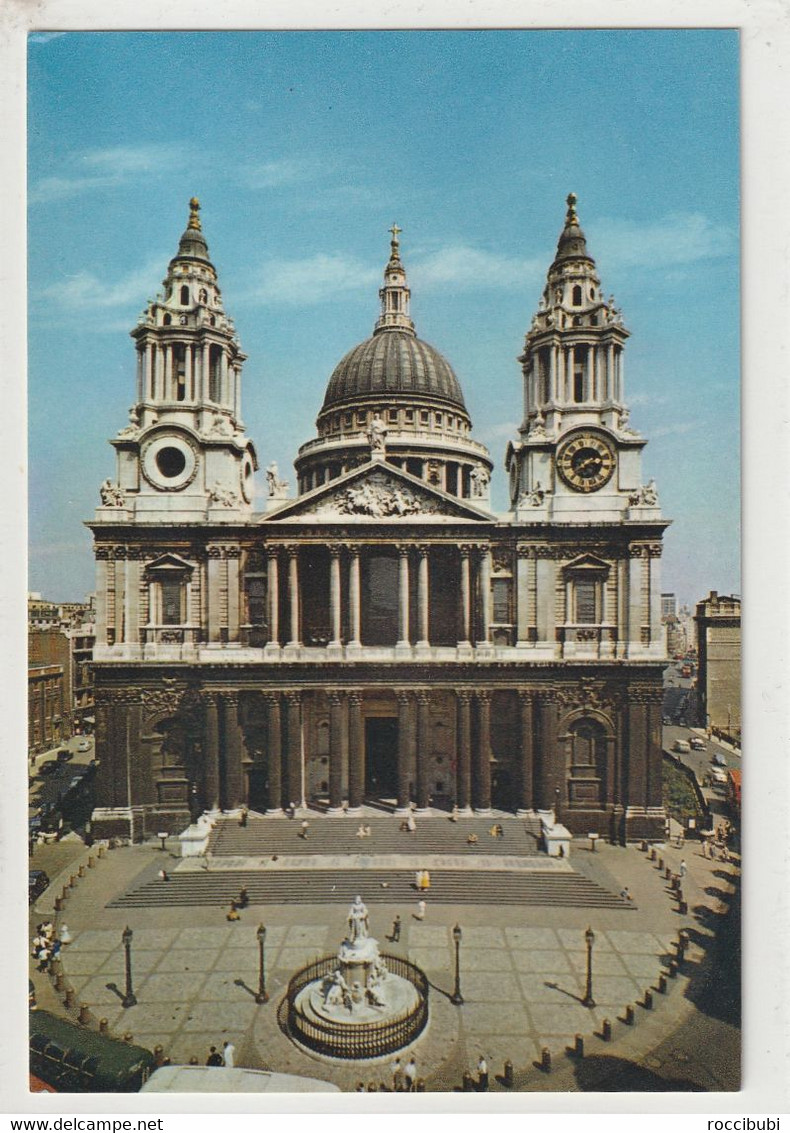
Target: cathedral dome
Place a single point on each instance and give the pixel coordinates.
(393, 361)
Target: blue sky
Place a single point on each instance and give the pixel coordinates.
(304, 147)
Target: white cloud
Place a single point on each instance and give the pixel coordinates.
(668, 241)
(315, 279)
(272, 174)
(464, 266)
(99, 169)
(85, 291)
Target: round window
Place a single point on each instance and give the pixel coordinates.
(171, 462)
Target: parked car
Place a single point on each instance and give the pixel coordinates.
(37, 882)
(666, 721)
(49, 768)
(718, 776)
(697, 744)
(64, 755)
(84, 745)
(719, 760)
(682, 746)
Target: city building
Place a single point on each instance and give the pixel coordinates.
(383, 635)
(669, 605)
(47, 707)
(718, 625)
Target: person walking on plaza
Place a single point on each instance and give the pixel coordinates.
(397, 1075)
(395, 934)
(214, 1057)
(683, 868)
(305, 828)
(411, 823)
(420, 914)
(228, 1053)
(410, 1074)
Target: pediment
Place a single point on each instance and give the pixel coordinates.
(168, 564)
(588, 563)
(377, 492)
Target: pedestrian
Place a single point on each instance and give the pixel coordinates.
(243, 898)
(305, 828)
(410, 1074)
(232, 913)
(163, 875)
(360, 831)
(395, 934)
(454, 814)
(625, 894)
(411, 823)
(43, 958)
(704, 847)
(214, 1057)
(472, 840)
(425, 880)
(243, 816)
(683, 868)
(291, 810)
(64, 934)
(420, 914)
(482, 1074)
(397, 1075)
(228, 1054)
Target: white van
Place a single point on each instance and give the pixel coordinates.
(682, 746)
(230, 1080)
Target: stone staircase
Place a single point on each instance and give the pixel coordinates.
(263, 837)
(330, 886)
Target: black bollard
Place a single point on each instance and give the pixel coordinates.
(545, 1060)
(507, 1077)
(104, 1026)
(662, 984)
(578, 1046)
(629, 1015)
(84, 1015)
(673, 969)
(468, 1082)
(648, 1004)
(660, 863)
(683, 908)
(606, 1030)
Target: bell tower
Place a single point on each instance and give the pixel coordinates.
(578, 457)
(184, 452)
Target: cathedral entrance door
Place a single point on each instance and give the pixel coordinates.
(381, 757)
(257, 789)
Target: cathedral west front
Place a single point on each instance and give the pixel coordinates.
(380, 635)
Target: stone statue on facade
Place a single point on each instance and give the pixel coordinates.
(132, 429)
(223, 496)
(479, 479)
(538, 428)
(644, 496)
(377, 434)
(221, 426)
(278, 489)
(111, 495)
(536, 496)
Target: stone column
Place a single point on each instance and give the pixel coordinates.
(168, 352)
(120, 610)
(423, 612)
(293, 594)
(148, 372)
(553, 373)
(214, 568)
(546, 570)
(233, 793)
(293, 708)
(547, 748)
(423, 749)
(485, 594)
(233, 554)
(482, 789)
(522, 593)
(211, 783)
(273, 594)
(406, 741)
(403, 595)
(654, 555)
(274, 752)
(354, 601)
(336, 753)
(205, 373)
(464, 756)
(189, 371)
(334, 596)
(101, 595)
(132, 597)
(634, 632)
(466, 596)
(223, 384)
(356, 753)
(525, 802)
(588, 377)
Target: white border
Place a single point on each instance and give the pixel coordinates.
(765, 41)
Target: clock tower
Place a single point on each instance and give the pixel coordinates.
(577, 459)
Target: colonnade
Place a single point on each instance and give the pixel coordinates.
(202, 378)
(603, 375)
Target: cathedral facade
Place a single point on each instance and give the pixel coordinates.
(382, 635)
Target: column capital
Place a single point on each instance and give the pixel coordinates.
(272, 550)
(291, 550)
(230, 698)
(335, 696)
(526, 695)
(464, 695)
(354, 550)
(335, 549)
(422, 549)
(423, 695)
(355, 698)
(293, 696)
(483, 696)
(404, 695)
(271, 696)
(404, 549)
(525, 550)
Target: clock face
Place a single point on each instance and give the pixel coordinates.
(586, 462)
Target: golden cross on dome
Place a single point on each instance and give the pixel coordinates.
(194, 209)
(395, 233)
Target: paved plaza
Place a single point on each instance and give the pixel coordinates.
(523, 969)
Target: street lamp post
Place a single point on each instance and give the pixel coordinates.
(456, 998)
(129, 999)
(261, 996)
(588, 1000)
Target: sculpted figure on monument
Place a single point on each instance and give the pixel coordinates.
(111, 494)
(377, 434)
(358, 925)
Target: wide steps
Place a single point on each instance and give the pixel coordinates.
(262, 837)
(325, 886)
